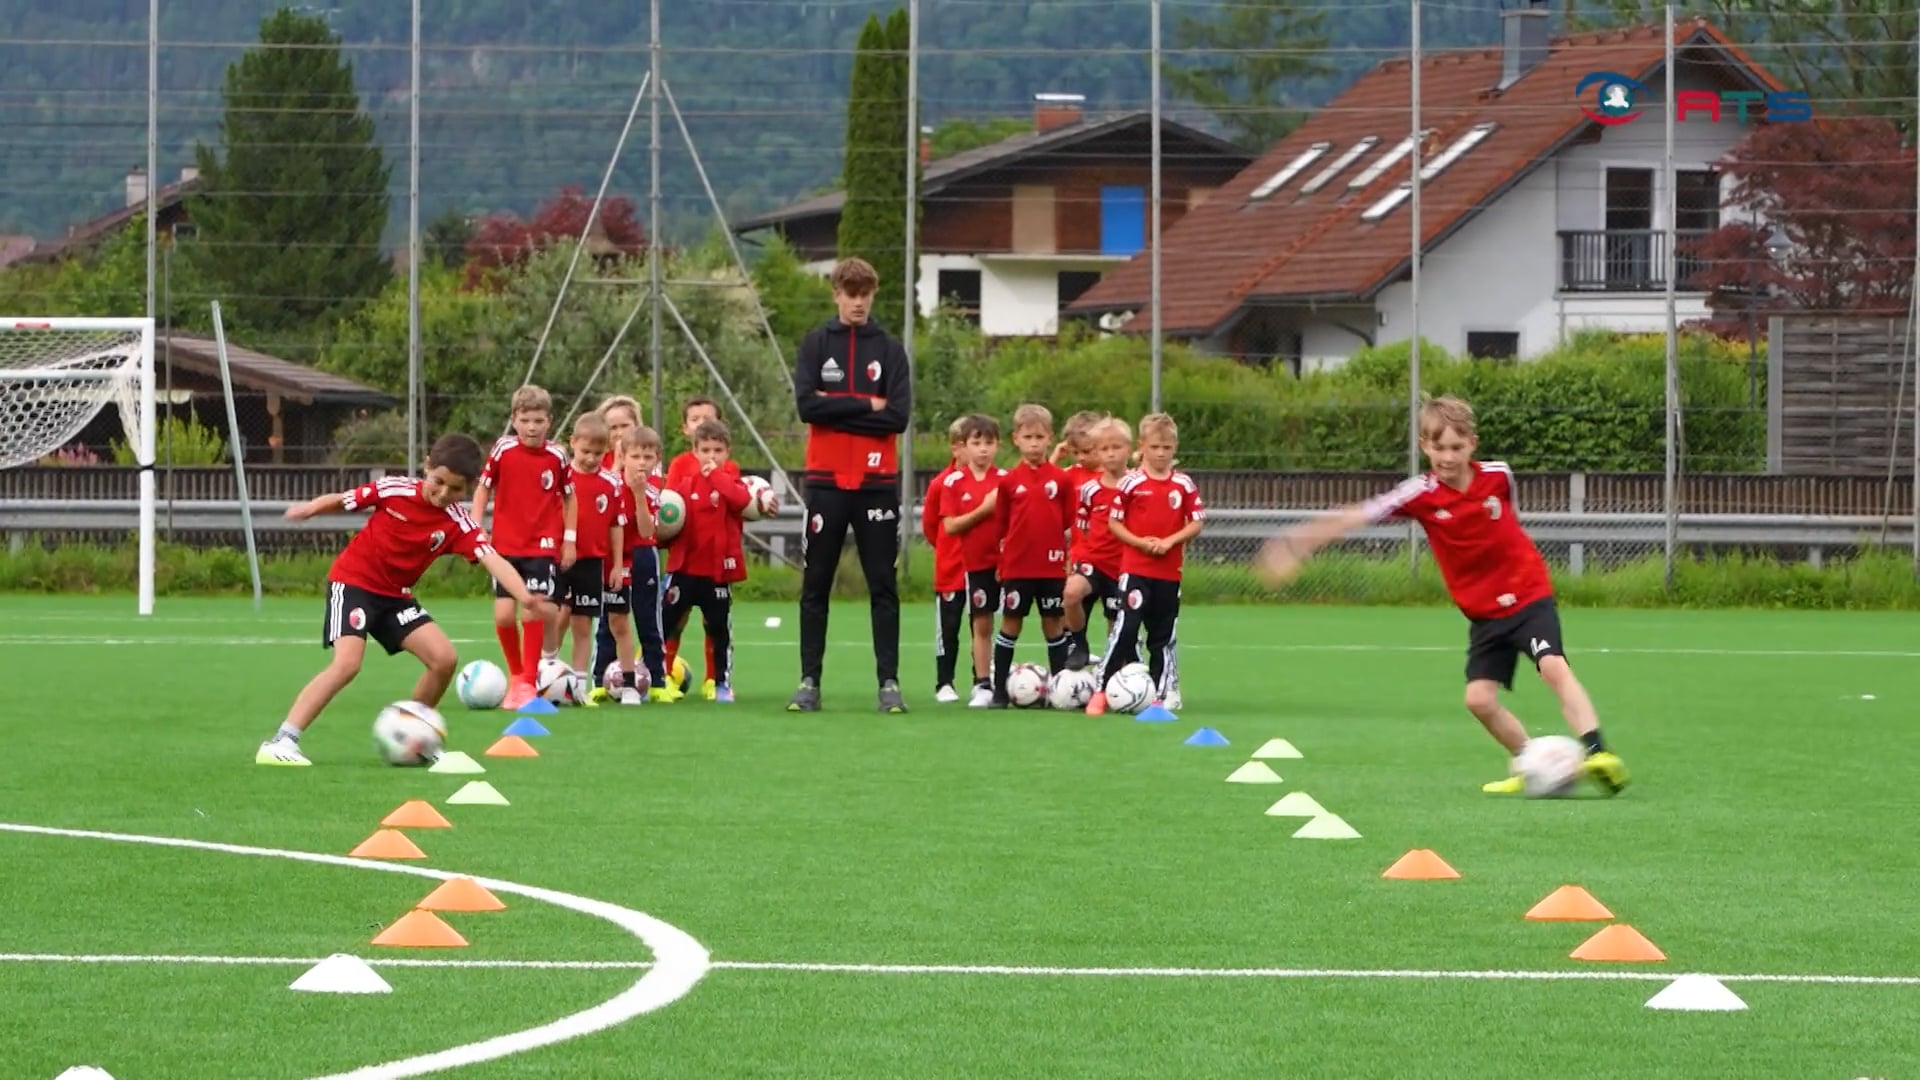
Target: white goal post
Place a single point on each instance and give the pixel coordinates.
(56, 375)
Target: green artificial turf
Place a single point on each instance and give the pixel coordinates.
(1768, 831)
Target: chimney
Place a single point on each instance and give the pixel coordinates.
(137, 187)
(926, 147)
(1051, 111)
(1525, 44)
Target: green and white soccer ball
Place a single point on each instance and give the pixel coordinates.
(409, 733)
(1550, 765)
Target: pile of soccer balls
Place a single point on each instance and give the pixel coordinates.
(1128, 690)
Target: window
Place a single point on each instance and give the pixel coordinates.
(1123, 220)
(1292, 169)
(1073, 284)
(1698, 195)
(1339, 164)
(1493, 344)
(1386, 161)
(1428, 171)
(1387, 202)
(1033, 221)
(960, 290)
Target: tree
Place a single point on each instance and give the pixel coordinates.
(958, 136)
(1841, 195)
(290, 219)
(874, 219)
(444, 242)
(1264, 49)
(1853, 57)
(503, 240)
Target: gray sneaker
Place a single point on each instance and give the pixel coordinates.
(805, 699)
(890, 699)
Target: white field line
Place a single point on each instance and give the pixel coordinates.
(313, 641)
(680, 961)
(976, 969)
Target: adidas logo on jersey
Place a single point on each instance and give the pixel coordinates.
(830, 371)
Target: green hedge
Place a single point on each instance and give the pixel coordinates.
(1597, 403)
(1872, 580)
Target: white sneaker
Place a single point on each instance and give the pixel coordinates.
(982, 698)
(946, 694)
(1173, 701)
(280, 752)
(630, 696)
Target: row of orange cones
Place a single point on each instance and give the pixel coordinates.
(421, 928)
(1618, 943)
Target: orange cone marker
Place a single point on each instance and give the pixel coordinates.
(416, 814)
(420, 930)
(1618, 943)
(1420, 864)
(461, 894)
(512, 746)
(1570, 903)
(388, 844)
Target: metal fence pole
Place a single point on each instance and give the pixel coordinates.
(1157, 350)
(909, 489)
(1413, 350)
(416, 408)
(1671, 199)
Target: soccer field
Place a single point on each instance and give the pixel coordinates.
(961, 893)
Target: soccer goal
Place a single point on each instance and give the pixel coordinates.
(55, 377)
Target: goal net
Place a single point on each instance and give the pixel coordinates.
(56, 375)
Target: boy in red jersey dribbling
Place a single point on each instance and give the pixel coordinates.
(411, 522)
(1493, 572)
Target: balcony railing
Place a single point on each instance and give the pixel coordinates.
(1625, 260)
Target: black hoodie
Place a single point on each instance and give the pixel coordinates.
(840, 369)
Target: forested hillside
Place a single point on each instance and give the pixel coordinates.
(523, 96)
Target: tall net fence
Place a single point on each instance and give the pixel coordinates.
(1551, 226)
(55, 382)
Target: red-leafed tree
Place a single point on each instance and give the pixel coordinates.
(1835, 201)
(504, 241)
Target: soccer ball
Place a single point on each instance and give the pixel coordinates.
(409, 733)
(616, 678)
(1130, 689)
(481, 685)
(672, 516)
(1027, 685)
(1551, 765)
(680, 675)
(1071, 689)
(559, 683)
(761, 500)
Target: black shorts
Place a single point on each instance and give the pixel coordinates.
(538, 571)
(1105, 589)
(354, 612)
(618, 599)
(983, 592)
(1019, 596)
(1494, 646)
(583, 585)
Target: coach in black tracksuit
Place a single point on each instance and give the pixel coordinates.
(855, 392)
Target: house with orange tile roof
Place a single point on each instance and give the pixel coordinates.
(1537, 220)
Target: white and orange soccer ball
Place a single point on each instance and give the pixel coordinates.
(409, 733)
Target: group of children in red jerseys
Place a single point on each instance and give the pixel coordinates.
(1037, 536)
(574, 536)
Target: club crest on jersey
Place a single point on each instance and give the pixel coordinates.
(600, 504)
(546, 480)
(1053, 489)
(1173, 498)
(357, 618)
(873, 371)
(438, 538)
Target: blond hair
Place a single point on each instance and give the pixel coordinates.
(1159, 424)
(641, 437)
(590, 426)
(1032, 416)
(620, 401)
(532, 399)
(1110, 427)
(957, 431)
(1080, 424)
(1441, 413)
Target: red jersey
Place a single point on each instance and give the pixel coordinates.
(403, 535)
(709, 545)
(530, 486)
(1036, 514)
(634, 539)
(1077, 477)
(1098, 547)
(1150, 507)
(949, 569)
(962, 493)
(600, 509)
(1488, 561)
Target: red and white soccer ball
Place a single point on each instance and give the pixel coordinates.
(762, 501)
(1027, 685)
(616, 678)
(1071, 690)
(559, 683)
(409, 733)
(1130, 689)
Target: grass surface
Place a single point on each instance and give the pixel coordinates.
(1768, 831)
